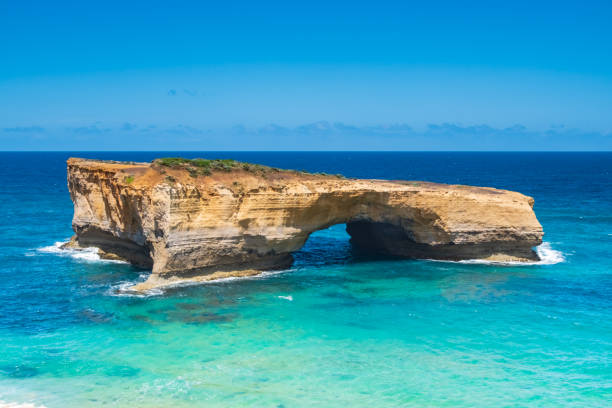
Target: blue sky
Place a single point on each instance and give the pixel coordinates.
(235, 75)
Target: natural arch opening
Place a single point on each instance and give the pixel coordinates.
(385, 239)
(389, 239)
(356, 241)
(327, 246)
(364, 239)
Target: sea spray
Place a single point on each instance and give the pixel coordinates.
(547, 255)
(125, 289)
(89, 254)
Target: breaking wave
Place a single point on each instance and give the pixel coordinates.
(124, 289)
(547, 255)
(4, 404)
(86, 254)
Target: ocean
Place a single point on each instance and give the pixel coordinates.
(337, 329)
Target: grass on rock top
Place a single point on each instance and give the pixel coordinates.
(221, 164)
(205, 167)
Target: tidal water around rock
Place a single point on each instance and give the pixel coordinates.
(339, 328)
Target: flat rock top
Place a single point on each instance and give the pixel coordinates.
(251, 176)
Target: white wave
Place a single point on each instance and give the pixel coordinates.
(547, 255)
(124, 289)
(289, 297)
(4, 404)
(89, 254)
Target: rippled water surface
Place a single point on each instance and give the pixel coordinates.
(338, 328)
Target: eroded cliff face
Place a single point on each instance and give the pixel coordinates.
(185, 225)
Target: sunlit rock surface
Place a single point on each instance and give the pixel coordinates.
(201, 221)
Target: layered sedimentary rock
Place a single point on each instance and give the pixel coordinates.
(199, 223)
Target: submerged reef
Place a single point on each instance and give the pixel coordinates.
(198, 219)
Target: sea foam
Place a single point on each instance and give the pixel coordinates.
(124, 289)
(85, 254)
(547, 255)
(4, 404)
(288, 297)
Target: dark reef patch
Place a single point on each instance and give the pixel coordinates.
(19, 371)
(123, 371)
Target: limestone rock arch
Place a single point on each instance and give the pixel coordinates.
(239, 222)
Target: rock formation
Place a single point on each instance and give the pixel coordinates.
(205, 219)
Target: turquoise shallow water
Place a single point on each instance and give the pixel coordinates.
(338, 328)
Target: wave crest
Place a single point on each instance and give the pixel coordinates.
(89, 254)
(4, 404)
(124, 289)
(547, 255)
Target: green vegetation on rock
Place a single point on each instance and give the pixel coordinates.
(205, 167)
(198, 167)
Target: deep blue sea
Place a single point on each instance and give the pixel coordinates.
(337, 329)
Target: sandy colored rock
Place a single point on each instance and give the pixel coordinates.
(238, 222)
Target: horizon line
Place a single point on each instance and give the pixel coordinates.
(306, 151)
